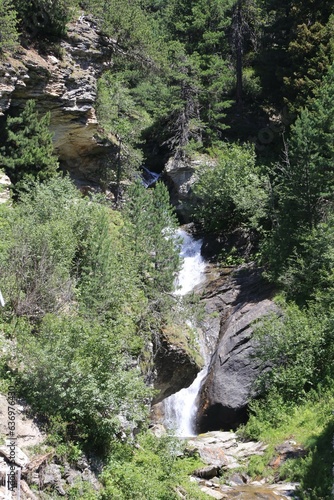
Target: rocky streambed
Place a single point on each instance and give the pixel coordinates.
(226, 456)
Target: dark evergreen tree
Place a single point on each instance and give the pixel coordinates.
(297, 48)
(44, 18)
(28, 154)
(305, 179)
(152, 231)
(8, 26)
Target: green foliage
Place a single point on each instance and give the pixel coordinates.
(232, 191)
(292, 346)
(304, 189)
(41, 236)
(44, 18)
(28, 154)
(122, 121)
(152, 232)
(310, 425)
(130, 27)
(152, 471)
(8, 26)
(296, 49)
(78, 370)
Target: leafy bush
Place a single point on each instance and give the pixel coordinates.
(153, 471)
(231, 192)
(291, 350)
(79, 371)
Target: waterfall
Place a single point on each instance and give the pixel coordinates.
(192, 272)
(149, 177)
(180, 408)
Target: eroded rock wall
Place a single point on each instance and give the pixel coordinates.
(66, 85)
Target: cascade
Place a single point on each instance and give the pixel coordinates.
(149, 177)
(180, 408)
(192, 272)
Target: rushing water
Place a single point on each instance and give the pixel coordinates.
(192, 272)
(180, 408)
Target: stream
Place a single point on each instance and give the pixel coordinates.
(180, 408)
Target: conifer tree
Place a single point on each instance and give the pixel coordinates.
(28, 154)
(8, 26)
(305, 179)
(152, 230)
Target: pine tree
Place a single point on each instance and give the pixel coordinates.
(122, 122)
(28, 154)
(8, 26)
(152, 231)
(305, 179)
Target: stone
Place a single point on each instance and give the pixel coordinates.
(66, 87)
(180, 176)
(229, 384)
(207, 472)
(52, 477)
(175, 366)
(223, 449)
(27, 432)
(20, 459)
(4, 188)
(212, 493)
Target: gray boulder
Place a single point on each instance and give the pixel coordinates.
(229, 385)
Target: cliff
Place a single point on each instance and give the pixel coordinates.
(63, 82)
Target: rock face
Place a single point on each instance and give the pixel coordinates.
(43, 471)
(241, 299)
(64, 84)
(180, 175)
(175, 365)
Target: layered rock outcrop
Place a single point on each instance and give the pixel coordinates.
(65, 84)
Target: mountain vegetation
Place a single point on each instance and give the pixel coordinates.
(88, 283)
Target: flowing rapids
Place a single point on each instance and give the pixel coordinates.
(192, 272)
(180, 408)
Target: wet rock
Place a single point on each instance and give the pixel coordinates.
(176, 366)
(213, 493)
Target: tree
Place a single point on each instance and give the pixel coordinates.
(152, 232)
(200, 76)
(231, 192)
(44, 18)
(8, 26)
(296, 49)
(122, 121)
(28, 154)
(304, 185)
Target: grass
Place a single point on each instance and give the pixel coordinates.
(311, 426)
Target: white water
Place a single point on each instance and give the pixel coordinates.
(192, 272)
(180, 408)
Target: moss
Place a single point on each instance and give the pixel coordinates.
(184, 337)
